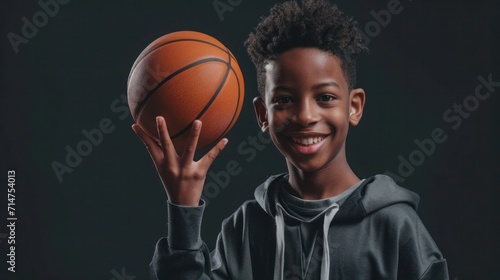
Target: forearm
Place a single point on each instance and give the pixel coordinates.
(182, 254)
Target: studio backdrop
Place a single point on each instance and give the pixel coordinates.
(85, 199)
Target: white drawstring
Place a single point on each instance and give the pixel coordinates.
(327, 220)
(279, 261)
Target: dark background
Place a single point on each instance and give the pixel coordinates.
(103, 220)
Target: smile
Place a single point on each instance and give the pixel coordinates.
(308, 145)
(307, 141)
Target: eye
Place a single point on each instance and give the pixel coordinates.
(283, 100)
(326, 98)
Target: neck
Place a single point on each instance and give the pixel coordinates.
(324, 183)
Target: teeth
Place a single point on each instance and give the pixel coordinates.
(306, 141)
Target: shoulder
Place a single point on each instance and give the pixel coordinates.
(249, 225)
(403, 224)
(380, 197)
(397, 213)
(250, 211)
(399, 218)
(417, 251)
(259, 208)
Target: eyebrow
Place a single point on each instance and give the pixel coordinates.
(329, 84)
(315, 87)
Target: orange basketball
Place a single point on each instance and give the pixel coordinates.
(185, 76)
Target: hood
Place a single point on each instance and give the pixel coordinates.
(372, 195)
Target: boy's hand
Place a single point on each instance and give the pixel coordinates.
(182, 177)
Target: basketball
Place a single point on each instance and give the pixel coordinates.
(185, 76)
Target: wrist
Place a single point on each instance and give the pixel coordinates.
(192, 200)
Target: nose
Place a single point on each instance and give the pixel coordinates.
(306, 113)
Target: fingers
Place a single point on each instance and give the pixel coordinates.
(190, 148)
(152, 146)
(207, 159)
(165, 151)
(166, 143)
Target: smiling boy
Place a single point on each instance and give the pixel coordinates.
(319, 220)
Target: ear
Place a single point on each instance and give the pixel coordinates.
(356, 105)
(261, 113)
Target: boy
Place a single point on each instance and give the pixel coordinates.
(319, 220)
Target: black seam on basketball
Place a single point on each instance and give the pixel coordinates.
(238, 101)
(174, 41)
(214, 96)
(235, 111)
(189, 66)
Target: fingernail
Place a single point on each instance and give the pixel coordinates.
(157, 120)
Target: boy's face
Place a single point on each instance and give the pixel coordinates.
(308, 108)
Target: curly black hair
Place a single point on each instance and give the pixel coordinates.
(312, 23)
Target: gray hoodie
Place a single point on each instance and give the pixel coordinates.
(371, 231)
